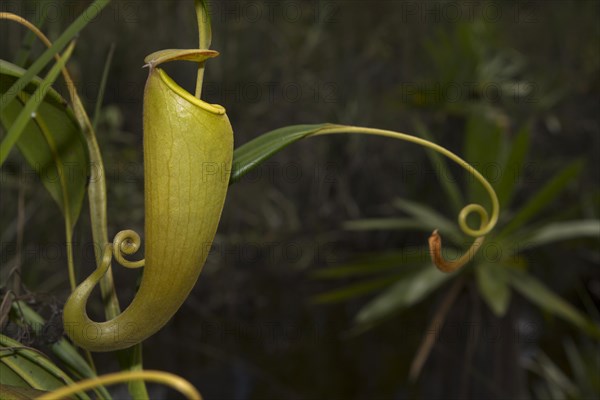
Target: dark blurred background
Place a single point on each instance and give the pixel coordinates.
(250, 329)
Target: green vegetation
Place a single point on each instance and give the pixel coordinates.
(319, 283)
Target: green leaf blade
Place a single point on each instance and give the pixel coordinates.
(431, 218)
(492, 282)
(543, 197)
(560, 231)
(355, 290)
(376, 263)
(84, 18)
(252, 154)
(51, 142)
(534, 290)
(29, 109)
(11, 392)
(483, 140)
(403, 294)
(370, 224)
(513, 167)
(33, 369)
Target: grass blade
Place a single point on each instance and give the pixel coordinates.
(371, 224)
(403, 294)
(33, 367)
(375, 263)
(560, 231)
(52, 143)
(430, 217)
(10, 392)
(534, 290)
(543, 197)
(578, 366)
(103, 81)
(492, 282)
(62, 349)
(73, 29)
(355, 290)
(483, 140)
(513, 167)
(32, 104)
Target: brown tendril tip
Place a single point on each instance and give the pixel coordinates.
(435, 250)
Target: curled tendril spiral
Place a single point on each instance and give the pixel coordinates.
(435, 240)
(127, 242)
(487, 222)
(485, 225)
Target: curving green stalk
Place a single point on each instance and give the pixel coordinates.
(204, 39)
(487, 223)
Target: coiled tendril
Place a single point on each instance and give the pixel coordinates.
(487, 223)
(127, 242)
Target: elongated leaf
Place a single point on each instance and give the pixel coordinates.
(355, 290)
(372, 224)
(102, 88)
(513, 168)
(560, 231)
(9, 392)
(584, 374)
(546, 299)
(376, 263)
(492, 281)
(62, 349)
(9, 73)
(543, 197)
(84, 18)
(403, 294)
(51, 143)
(428, 216)
(556, 378)
(29, 368)
(250, 155)
(30, 108)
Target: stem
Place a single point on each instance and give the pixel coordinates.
(435, 244)
(204, 39)
(436, 325)
(70, 263)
